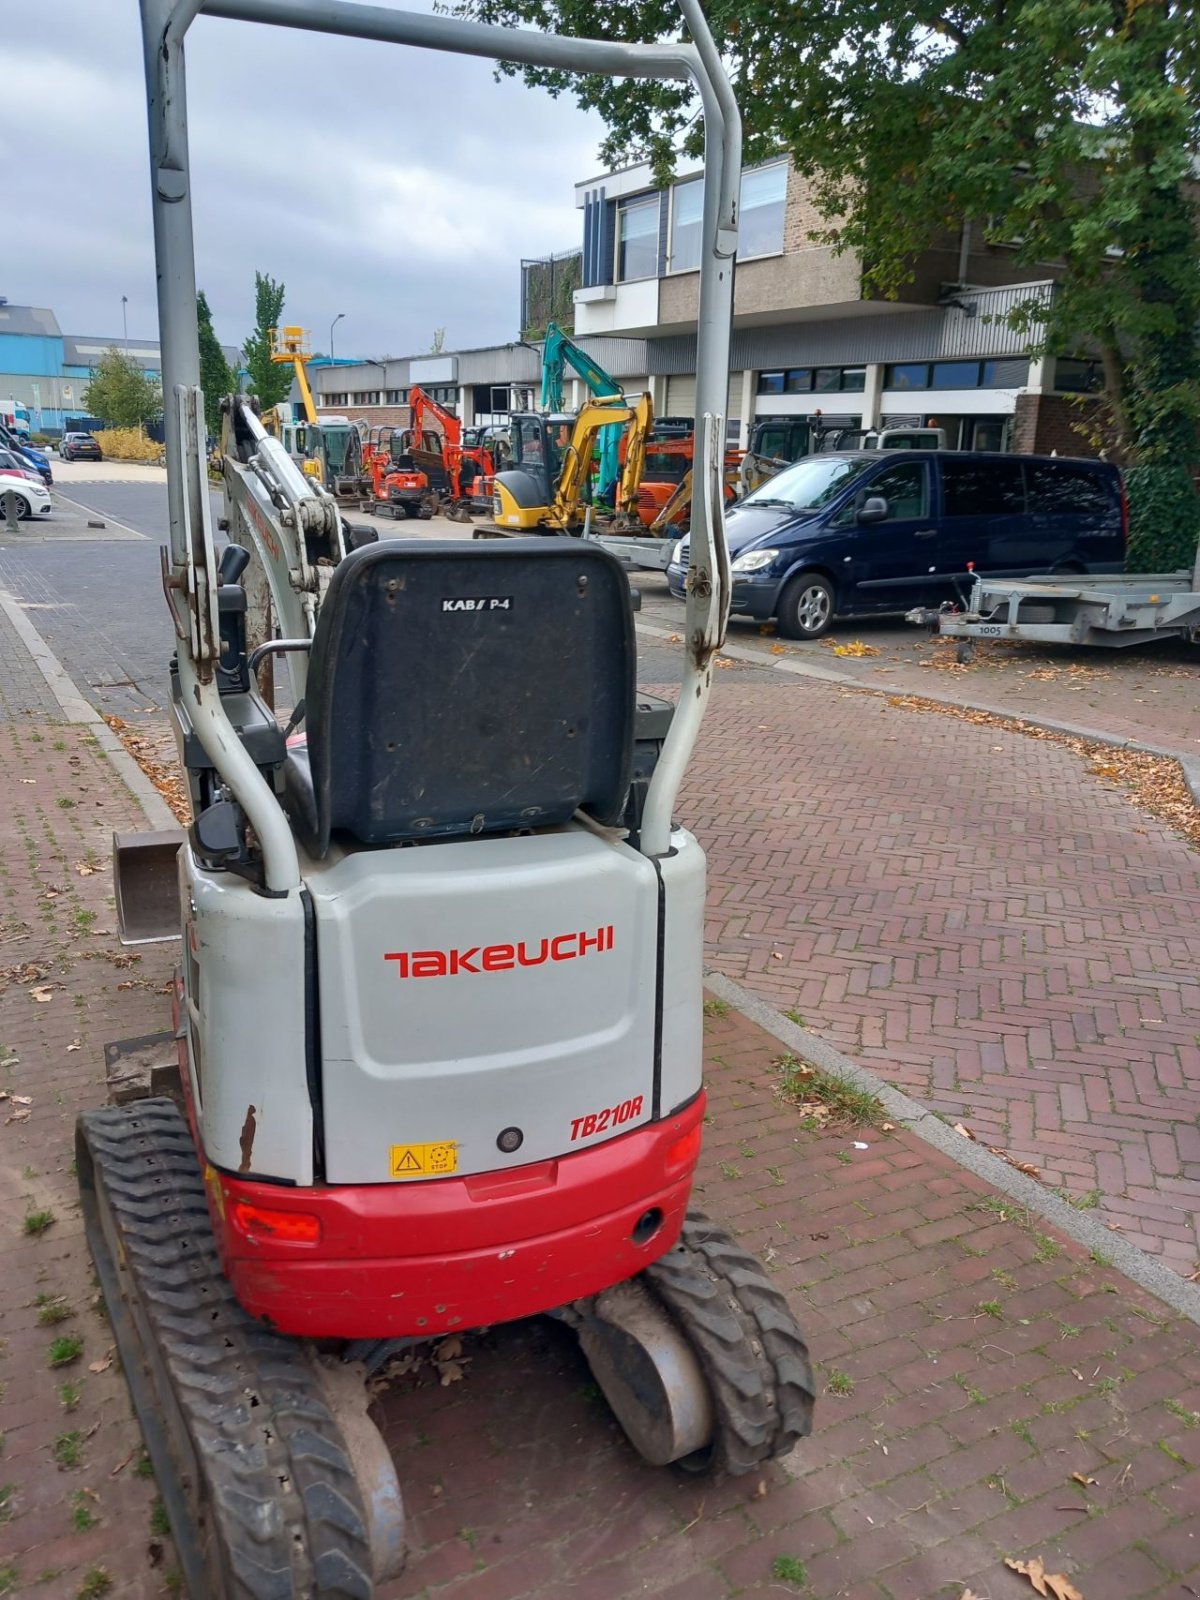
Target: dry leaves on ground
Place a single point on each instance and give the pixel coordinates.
(42, 993)
(1045, 1583)
(1155, 783)
(1027, 1167)
(855, 647)
(164, 775)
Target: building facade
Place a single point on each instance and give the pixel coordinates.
(809, 338)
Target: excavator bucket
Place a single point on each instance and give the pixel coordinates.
(147, 885)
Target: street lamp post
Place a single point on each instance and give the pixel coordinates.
(125, 321)
(332, 326)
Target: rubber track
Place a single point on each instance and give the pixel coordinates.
(281, 1492)
(750, 1348)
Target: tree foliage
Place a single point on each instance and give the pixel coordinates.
(1066, 127)
(270, 381)
(120, 392)
(217, 377)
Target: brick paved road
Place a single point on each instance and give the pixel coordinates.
(985, 925)
(969, 1363)
(1150, 695)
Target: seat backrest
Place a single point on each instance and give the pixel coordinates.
(470, 687)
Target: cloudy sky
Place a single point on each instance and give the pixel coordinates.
(398, 186)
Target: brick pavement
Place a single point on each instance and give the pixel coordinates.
(977, 919)
(1150, 695)
(985, 1362)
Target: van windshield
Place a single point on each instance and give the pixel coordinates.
(808, 484)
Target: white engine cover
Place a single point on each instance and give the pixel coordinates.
(485, 985)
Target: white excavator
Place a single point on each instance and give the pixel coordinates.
(437, 1032)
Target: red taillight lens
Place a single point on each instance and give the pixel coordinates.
(264, 1222)
(683, 1155)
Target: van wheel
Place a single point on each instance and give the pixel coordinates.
(805, 608)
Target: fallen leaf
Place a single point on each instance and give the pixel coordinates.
(84, 869)
(22, 1099)
(19, 1116)
(887, 1127)
(75, 1046)
(1079, 1477)
(760, 1490)
(100, 1366)
(450, 1372)
(1045, 1583)
(856, 647)
(43, 993)
(779, 649)
(449, 1349)
(965, 1131)
(27, 780)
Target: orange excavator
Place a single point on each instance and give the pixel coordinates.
(459, 473)
(667, 479)
(398, 485)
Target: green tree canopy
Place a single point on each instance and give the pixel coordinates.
(120, 391)
(270, 381)
(1069, 126)
(217, 377)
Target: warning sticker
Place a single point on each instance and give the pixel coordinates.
(424, 1160)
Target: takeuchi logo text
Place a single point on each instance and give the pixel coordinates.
(499, 957)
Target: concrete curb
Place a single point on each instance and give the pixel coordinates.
(1189, 765)
(1084, 1229)
(77, 709)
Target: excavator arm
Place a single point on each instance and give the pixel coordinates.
(560, 351)
(422, 407)
(591, 420)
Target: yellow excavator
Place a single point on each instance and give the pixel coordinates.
(328, 449)
(544, 490)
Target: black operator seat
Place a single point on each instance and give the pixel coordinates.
(462, 688)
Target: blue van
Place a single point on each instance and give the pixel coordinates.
(865, 532)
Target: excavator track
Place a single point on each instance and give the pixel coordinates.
(250, 1461)
(750, 1350)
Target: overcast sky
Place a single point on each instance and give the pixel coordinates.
(399, 186)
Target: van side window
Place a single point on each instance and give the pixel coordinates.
(1062, 487)
(905, 487)
(982, 488)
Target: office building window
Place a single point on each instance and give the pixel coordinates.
(342, 399)
(397, 397)
(803, 380)
(365, 397)
(764, 192)
(907, 375)
(955, 375)
(637, 239)
(687, 204)
(1009, 373)
(1075, 376)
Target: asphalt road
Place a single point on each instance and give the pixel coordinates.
(100, 607)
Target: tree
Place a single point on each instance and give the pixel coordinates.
(439, 342)
(271, 381)
(120, 392)
(1069, 126)
(217, 377)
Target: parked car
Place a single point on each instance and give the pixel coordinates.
(80, 447)
(28, 454)
(32, 496)
(862, 532)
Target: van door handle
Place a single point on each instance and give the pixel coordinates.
(925, 533)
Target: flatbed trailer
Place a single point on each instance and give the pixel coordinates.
(1112, 611)
(632, 550)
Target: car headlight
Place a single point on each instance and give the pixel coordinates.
(754, 561)
(677, 554)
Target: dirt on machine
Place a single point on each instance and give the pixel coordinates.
(433, 1059)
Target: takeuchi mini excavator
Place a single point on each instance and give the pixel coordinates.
(326, 448)
(435, 1054)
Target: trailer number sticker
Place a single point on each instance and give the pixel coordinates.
(423, 1160)
(601, 1121)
